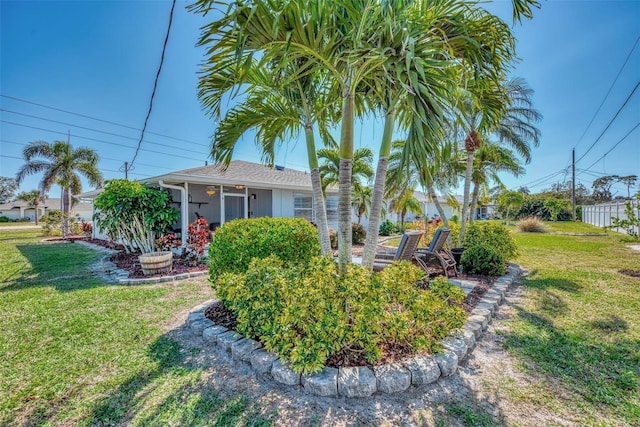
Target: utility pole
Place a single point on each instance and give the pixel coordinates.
(573, 184)
(126, 170)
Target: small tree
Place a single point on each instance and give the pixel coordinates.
(8, 187)
(510, 200)
(631, 223)
(133, 214)
(33, 198)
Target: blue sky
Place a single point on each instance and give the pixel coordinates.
(99, 59)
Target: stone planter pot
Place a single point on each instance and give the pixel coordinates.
(156, 262)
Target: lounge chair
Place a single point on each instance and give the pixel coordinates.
(405, 251)
(437, 253)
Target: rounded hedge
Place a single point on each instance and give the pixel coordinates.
(491, 234)
(308, 313)
(237, 242)
(483, 259)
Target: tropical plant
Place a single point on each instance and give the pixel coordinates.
(60, 164)
(33, 198)
(510, 201)
(362, 200)
(361, 170)
(379, 53)
(8, 187)
(556, 207)
(489, 160)
(632, 221)
(503, 110)
(491, 234)
(133, 214)
(277, 109)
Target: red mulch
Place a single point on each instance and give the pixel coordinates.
(130, 263)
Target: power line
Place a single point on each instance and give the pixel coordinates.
(101, 120)
(610, 122)
(99, 140)
(97, 130)
(155, 83)
(544, 178)
(615, 145)
(608, 92)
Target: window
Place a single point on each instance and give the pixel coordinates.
(303, 208)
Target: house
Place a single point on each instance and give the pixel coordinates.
(429, 208)
(21, 210)
(242, 190)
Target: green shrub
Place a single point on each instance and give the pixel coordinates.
(492, 234)
(4, 219)
(306, 314)
(358, 233)
(237, 242)
(52, 223)
(133, 214)
(483, 259)
(387, 228)
(532, 224)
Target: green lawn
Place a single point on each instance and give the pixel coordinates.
(77, 351)
(578, 325)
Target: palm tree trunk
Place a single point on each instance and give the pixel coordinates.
(318, 198)
(344, 179)
(36, 206)
(434, 197)
(474, 201)
(66, 209)
(465, 199)
(371, 241)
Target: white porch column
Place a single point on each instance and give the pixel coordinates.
(184, 209)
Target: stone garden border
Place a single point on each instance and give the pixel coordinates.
(360, 381)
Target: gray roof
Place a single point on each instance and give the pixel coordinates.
(243, 173)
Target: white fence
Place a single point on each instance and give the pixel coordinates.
(601, 215)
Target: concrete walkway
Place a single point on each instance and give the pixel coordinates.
(20, 227)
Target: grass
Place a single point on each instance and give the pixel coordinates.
(78, 351)
(578, 325)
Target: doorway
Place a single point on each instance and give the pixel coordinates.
(233, 206)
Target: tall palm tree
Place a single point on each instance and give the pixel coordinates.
(61, 164)
(33, 198)
(405, 202)
(503, 110)
(276, 110)
(361, 170)
(388, 51)
(489, 160)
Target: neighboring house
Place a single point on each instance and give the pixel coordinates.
(429, 208)
(21, 210)
(242, 190)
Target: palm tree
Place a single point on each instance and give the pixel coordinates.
(378, 54)
(504, 110)
(405, 202)
(61, 164)
(33, 198)
(362, 200)
(361, 171)
(276, 110)
(511, 200)
(489, 160)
